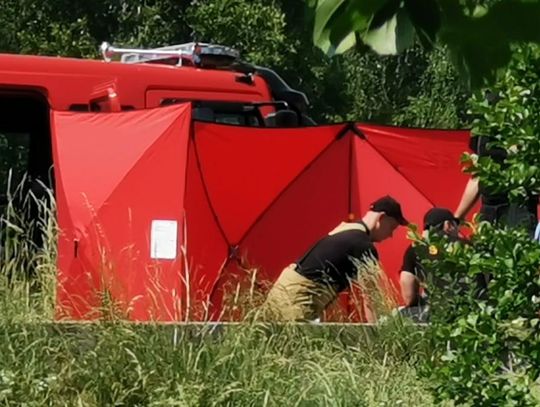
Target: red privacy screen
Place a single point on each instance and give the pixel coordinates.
(120, 189)
(274, 192)
(166, 216)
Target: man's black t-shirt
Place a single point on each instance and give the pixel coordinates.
(329, 261)
(413, 265)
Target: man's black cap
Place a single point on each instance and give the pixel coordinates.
(390, 207)
(436, 217)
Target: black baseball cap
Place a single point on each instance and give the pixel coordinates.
(436, 217)
(390, 207)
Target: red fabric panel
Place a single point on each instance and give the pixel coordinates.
(374, 178)
(429, 159)
(77, 288)
(245, 168)
(113, 192)
(206, 247)
(311, 206)
(94, 146)
(273, 192)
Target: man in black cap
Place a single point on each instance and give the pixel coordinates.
(415, 279)
(413, 276)
(305, 288)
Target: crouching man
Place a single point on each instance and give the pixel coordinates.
(306, 288)
(413, 276)
(416, 280)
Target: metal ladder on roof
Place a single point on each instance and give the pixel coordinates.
(194, 52)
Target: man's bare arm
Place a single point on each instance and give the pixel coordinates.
(409, 288)
(468, 199)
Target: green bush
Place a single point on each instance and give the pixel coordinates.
(512, 123)
(256, 28)
(439, 100)
(486, 346)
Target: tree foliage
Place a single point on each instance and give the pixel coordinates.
(487, 350)
(76, 28)
(513, 123)
(415, 89)
(244, 26)
(478, 34)
(440, 100)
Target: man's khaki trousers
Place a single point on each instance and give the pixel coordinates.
(296, 298)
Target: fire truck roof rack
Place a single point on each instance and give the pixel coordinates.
(194, 53)
(212, 56)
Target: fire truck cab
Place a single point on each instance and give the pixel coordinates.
(220, 86)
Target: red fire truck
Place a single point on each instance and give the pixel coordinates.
(221, 87)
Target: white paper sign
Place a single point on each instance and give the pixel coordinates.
(163, 239)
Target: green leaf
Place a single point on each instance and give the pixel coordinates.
(347, 43)
(479, 38)
(324, 13)
(351, 17)
(326, 45)
(481, 47)
(384, 13)
(392, 37)
(337, 21)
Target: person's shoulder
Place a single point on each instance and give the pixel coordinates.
(347, 227)
(361, 241)
(411, 249)
(411, 252)
(410, 259)
(352, 233)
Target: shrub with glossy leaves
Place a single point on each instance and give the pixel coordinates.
(486, 342)
(513, 123)
(487, 348)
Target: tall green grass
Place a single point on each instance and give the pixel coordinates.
(122, 364)
(125, 364)
(27, 267)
